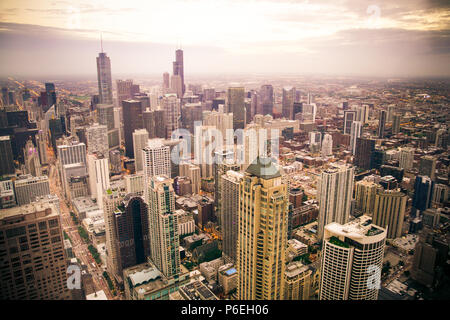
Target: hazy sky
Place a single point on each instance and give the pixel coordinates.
(383, 38)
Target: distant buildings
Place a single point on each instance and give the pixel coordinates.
(236, 106)
(132, 120)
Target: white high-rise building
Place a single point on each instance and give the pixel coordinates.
(191, 171)
(335, 190)
(362, 113)
(229, 206)
(70, 154)
(356, 132)
(327, 145)
(172, 113)
(140, 141)
(97, 139)
(352, 259)
(221, 121)
(406, 158)
(28, 188)
(163, 222)
(134, 183)
(156, 161)
(98, 168)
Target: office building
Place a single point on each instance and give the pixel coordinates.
(163, 222)
(34, 265)
(440, 195)
(287, 102)
(6, 156)
(98, 169)
(363, 152)
(229, 212)
(140, 141)
(156, 159)
(111, 199)
(266, 99)
(171, 106)
(262, 232)
(97, 139)
(355, 133)
(221, 121)
(389, 211)
(31, 159)
(327, 145)
(406, 158)
(236, 106)
(423, 194)
(382, 123)
(7, 196)
(178, 69)
(352, 259)
(104, 79)
(71, 153)
(349, 118)
(396, 119)
(427, 166)
(335, 190)
(365, 194)
(27, 188)
(190, 114)
(132, 120)
(132, 232)
(297, 281)
(105, 117)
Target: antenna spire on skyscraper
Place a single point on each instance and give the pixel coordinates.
(101, 42)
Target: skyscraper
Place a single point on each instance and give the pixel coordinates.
(327, 145)
(27, 188)
(163, 223)
(105, 116)
(132, 120)
(33, 256)
(406, 158)
(427, 166)
(382, 123)
(365, 195)
(423, 194)
(335, 190)
(6, 156)
(349, 118)
(140, 141)
(178, 68)
(97, 139)
(132, 232)
(236, 105)
(98, 169)
(389, 211)
(352, 258)
(287, 102)
(396, 118)
(104, 78)
(166, 82)
(171, 106)
(363, 152)
(155, 160)
(355, 133)
(262, 232)
(266, 99)
(229, 211)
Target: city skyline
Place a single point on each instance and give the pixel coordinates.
(300, 37)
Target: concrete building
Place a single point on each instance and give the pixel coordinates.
(97, 139)
(34, 255)
(389, 211)
(172, 111)
(236, 106)
(98, 169)
(27, 188)
(352, 259)
(406, 158)
(262, 232)
(134, 183)
(335, 190)
(163, 222)
(297, 281)
(229, 212)
(104, 79)
(140, 141)
(365, 194)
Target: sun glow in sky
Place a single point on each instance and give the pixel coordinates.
(246, 28)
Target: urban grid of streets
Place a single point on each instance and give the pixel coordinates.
(79, 246)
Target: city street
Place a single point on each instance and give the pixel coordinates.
(80, 248)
